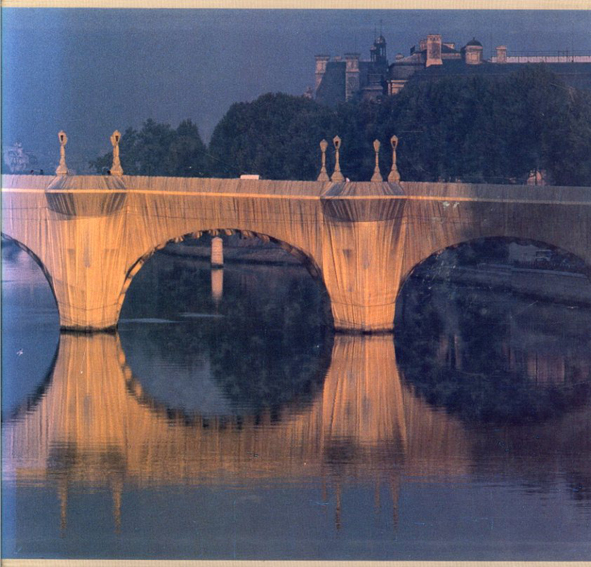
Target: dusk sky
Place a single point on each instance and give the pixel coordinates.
(90, 71)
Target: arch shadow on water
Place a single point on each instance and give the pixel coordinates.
(256, 342)
(473, 338)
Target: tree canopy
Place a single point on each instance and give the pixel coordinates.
(471, 129)
(480, 129)
(275, 136)
(158, 149)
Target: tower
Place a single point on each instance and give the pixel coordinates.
(378, 50)
(433, 50)
(473, 52)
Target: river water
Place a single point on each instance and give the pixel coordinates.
(225, 421)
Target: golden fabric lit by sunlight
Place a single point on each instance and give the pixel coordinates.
(360, 239)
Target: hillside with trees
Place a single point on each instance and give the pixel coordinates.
(473, 129)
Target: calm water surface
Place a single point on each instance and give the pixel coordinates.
(224, 421)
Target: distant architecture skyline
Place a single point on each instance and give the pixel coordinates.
(88, 71)
(17, 160)
(349, 77)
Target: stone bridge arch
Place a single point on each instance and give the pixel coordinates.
(5, 236)
(305, 257)
(508, 239)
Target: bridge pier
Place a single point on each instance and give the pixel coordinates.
(88, 273)
(362, 265)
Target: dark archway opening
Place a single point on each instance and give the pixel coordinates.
(497, 330)
(246, 339)
(30, 328)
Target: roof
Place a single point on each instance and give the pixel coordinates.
(448, 49)
(404, 70)
(576, 75)
(474, 42)
(331, 90)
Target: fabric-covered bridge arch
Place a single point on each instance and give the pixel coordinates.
(92, 232)
(304, 258)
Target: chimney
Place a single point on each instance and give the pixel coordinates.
(352, 79)
(501, 54)
(433, 50)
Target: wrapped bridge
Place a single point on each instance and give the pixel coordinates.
(92, 234)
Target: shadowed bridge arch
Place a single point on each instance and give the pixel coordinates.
(583, 268)
(35, 259)
(91, 232)
(303, 258)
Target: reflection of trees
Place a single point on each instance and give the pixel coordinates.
(254, 368)
(462, 350)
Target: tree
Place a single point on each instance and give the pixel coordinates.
(486, 129)
(158, 149)
(275, 136)
(476, 129)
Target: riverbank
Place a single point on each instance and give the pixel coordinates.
(564, 287)
(240, 252)
(561, 286)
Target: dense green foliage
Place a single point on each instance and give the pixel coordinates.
(158, 149)
(496, 131)
(472, 129)
(276, 136)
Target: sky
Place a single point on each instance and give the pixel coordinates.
(91, 71)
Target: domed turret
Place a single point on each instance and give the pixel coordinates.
(378, 51)
(473, 52)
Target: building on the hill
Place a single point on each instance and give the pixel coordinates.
(17, 160)
(425, 64)
(343, 79)
(348, 78)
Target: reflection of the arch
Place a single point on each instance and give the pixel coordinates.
(92, 429)
(493, 357)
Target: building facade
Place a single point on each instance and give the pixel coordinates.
(349, 78)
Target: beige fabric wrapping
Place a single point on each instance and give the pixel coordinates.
(92, 233)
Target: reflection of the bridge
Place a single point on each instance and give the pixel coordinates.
(94, 428)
